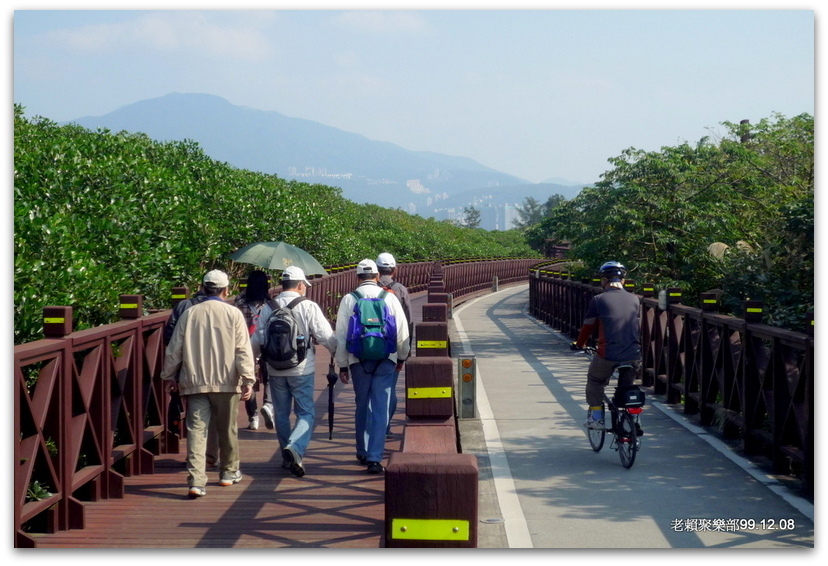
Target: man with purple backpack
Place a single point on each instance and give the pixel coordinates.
(372, 344)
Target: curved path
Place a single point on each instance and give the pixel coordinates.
(544, 487)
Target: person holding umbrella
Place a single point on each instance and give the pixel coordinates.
(292, 380)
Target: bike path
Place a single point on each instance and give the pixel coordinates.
(542, 486)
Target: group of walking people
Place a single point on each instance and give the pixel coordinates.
(219, 353)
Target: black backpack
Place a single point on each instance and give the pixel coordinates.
(284, 347)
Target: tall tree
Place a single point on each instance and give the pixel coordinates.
(532, 212)
(471, 217)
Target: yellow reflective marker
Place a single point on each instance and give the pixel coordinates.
(430, 529)
(179, 296)
(431, 343)
(429, 392)
(129, 305)
(54, 320)
(754, 310)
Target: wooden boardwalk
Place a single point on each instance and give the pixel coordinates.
(335, 505)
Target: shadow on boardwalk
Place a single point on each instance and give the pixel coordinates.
(335, 505)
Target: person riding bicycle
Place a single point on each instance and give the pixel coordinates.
(617, 314)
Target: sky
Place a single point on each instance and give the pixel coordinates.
(541, 93)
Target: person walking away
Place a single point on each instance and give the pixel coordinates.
(372, 372)
(387, 267)
(289, 327)
(251, 302)
(169, 328)
(617, 315)
(210, 353)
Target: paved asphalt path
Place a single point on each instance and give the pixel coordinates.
(542, 486)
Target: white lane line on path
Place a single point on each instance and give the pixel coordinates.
(517, 531)
(797, 502)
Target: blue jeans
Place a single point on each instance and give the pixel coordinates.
(372, 388)
(298, 389)
(393, 407)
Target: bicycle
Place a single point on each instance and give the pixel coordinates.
(625, 408)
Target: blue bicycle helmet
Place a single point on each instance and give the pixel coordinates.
(613, 271)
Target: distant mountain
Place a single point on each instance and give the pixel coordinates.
(368, 171)
(563, 182)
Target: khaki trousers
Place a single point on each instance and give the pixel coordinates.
(221, 409)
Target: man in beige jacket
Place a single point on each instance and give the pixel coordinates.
(210, 354)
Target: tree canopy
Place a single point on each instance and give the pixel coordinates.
(750, 195)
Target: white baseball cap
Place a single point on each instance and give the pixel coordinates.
(386, 260)
(367, 266)
(216, 278)
(294, 273)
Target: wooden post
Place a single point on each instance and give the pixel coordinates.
(57, 321)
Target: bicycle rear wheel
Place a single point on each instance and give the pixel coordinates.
(597, 436)
(627, 439)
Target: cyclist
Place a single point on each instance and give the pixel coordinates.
(617, 315)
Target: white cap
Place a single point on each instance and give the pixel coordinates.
(367, 266)
(386, 260)
(216, 278)
(294, 273)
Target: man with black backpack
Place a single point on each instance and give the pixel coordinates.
(285, 333)
(372, 344)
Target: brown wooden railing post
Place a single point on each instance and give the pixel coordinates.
(57, 321)
(179, 294)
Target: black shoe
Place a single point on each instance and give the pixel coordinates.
(290, 455)
(362, 460)
(375, 468)
(638, 431)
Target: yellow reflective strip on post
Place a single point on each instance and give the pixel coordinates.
(754, 310)
(179, 296)
(129, 305)
(430, 529)
(675, 294)
(431, 344)
(710, 301)
(54, 320)
(429, 392)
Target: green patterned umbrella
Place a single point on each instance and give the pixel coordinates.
(279, 256)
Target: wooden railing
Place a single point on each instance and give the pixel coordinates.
(90, 408)
(752, 381)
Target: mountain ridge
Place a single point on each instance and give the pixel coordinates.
(367, 171)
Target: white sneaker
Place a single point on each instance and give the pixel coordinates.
(254, 423)
(593, 423)
(267, 415)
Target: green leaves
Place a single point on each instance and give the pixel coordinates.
(100, 214)
(657, 212)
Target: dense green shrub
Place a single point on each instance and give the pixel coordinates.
(750, 194)
(99, 214)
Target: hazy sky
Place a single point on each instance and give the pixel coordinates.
(537, 93)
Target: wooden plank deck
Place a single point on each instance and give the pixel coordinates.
(335, 505)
